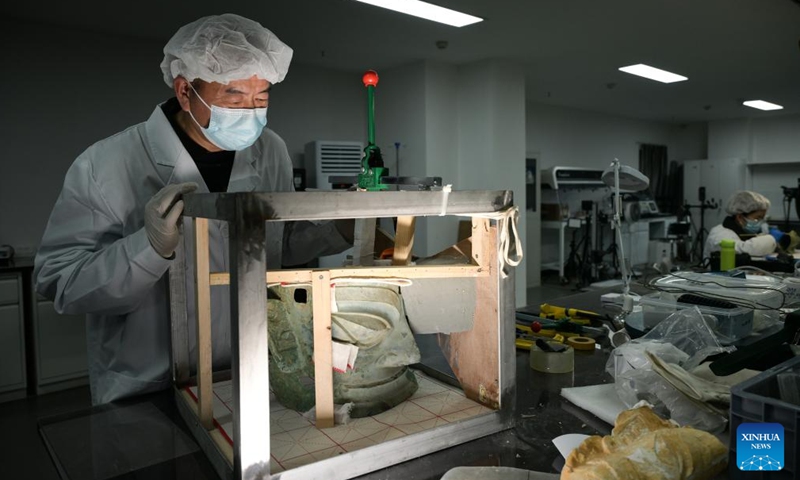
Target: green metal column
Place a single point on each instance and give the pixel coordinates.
(372, 164)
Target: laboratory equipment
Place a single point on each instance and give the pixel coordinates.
(623, 177)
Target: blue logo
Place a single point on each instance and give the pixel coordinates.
(759, 447)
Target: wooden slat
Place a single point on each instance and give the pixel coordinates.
(203, 303)
(179, 318)
(404, 240)
(216, 435)
(304, 276)
(480, 227)
(323, 353)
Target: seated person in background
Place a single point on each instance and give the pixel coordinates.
(745, 225)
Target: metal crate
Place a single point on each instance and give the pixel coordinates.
(485, 368)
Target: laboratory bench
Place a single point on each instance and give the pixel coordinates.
(146, 437)
(642, 240)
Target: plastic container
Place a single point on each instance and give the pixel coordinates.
(792, 291)
(753, 291)
(727, 256)
(758, 400)
(730, 324)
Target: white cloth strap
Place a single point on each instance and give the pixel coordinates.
(507, 221)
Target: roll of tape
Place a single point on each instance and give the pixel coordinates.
(552, 362)
(581, 343)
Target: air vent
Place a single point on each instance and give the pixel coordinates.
(332, 158)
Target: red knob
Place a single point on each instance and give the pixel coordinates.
(536, 327)
(370, 78)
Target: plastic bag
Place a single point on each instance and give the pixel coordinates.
(684, 339)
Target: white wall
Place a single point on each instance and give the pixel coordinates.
(776, 140)
(465, 124)
(69, 89)
(688, 141)
(399, 118)
(729, 139)
(316, 104)
(66, 90)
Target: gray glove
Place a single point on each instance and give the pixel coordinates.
(161, 215)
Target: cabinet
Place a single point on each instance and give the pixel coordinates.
(639, 239)
(12, 338)
(61, 360)
(635, 241)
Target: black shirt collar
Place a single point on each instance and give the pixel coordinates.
(214, 167)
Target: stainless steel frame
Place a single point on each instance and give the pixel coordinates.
(246, 214)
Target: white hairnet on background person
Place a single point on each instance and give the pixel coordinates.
(746, 201)
(222, 48)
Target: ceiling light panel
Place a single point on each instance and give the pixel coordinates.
(427, 11)
(653, 73)
(762, 105)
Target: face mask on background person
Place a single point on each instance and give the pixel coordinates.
(232, 128)
(753, 226)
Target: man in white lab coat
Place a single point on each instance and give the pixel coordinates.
(745, 225)
(113, 231)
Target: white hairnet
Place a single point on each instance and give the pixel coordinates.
(746, 201)
(222, 48)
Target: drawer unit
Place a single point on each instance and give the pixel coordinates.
(12, 338)
(9, 289)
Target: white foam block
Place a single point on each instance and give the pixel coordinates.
(601, 400)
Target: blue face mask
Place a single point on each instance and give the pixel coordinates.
(753, 226)
(232, 128)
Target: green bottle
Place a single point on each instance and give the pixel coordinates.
(727, 257)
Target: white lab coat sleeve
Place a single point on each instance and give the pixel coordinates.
(756, 246)
(85, 264)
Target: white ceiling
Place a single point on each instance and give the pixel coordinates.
(731, 50)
